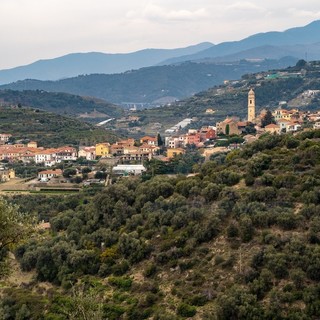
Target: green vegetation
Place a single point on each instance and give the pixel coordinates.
(240, 240)
(231, 99)
(57, 102)
(49, 129)
(147, 85)
(14, 228)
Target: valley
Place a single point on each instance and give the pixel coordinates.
(175, 184)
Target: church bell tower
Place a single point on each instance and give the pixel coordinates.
(251, 106)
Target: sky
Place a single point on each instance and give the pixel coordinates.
(31, 30)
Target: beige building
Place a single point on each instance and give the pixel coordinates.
(228, 126)
(272, 128)
(251, 106)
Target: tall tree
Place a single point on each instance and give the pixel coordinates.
(267, 119)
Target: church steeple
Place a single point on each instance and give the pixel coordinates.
(251, 106)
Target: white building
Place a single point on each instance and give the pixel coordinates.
(47, 157)
(129, 169)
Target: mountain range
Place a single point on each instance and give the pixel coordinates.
(157, 76)
(75, 64)
(153, 85)
(303, 36)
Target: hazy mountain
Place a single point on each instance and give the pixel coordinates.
(94, 62)
(308, 52)
(301, 35)
(147, 85)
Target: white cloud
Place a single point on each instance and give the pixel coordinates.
(154, 12)
(37, 29)
(245, 7)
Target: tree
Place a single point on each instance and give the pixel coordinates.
(69, 172)
(227, 129)
(160, 142)
(14, 227)
(267, 119)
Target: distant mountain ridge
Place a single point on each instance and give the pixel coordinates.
(75, 64)
(308, 34)
(148, 85)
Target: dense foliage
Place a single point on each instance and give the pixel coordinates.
(57, 102)
(238, 241)
(49, 129)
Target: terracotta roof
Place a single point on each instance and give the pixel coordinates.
(272, 125)
(283, 120)
(149, 138)
(57, 171)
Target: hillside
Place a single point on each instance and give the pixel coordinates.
(230, 99)
(296, 42)
(74, 64)
(60, 103)
(238, 241)
(306, 35)
(49, 129)
(148, 85)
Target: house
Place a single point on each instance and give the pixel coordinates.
(192, 138)
(103, 149)
(32, 144)
(66, 153)
(148, 148)
(172, 152)
(4, 137)
(126, 143)
(207, 133)
(293, 127)
(48, 174)
(47, 157)
(12, 153)
(117, 150)
(175, 141)
(272, 128)
(149, 140)
(282, 114)
(283, 124)
(89, 153)
(136, 156)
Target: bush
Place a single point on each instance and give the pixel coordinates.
(121, 282)
(186, 311)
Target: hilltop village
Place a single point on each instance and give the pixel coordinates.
(130, 156)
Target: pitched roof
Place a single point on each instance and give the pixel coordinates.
(272, 125)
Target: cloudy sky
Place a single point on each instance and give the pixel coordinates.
(40, 29)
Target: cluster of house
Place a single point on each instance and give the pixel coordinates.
(177, 143)
(32, 153)
(125, 150)
(285, 121)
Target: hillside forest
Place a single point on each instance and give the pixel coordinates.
(237, 240)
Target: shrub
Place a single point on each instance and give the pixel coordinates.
(186, 311)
